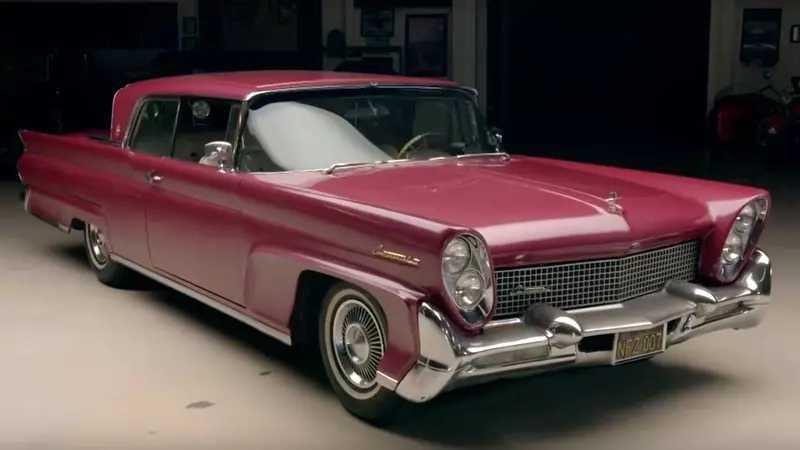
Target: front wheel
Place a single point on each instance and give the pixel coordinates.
(353, 340)
(108, 272)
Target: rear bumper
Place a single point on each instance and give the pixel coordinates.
(547, 338)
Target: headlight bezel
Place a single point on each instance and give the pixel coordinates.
(755, 211)
(473, 315)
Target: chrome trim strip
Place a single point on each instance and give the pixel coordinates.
(232, 312)
(546, 338)
(113, 113)
(241, 122)
(371, 85)
(26, 199)
(386, 381)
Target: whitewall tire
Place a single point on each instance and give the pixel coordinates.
(352, 334)
(97, 251)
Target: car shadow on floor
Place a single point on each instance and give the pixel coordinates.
(301, 360)
(551, 405)
(539, 407)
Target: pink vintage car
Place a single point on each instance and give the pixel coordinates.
(379, 218)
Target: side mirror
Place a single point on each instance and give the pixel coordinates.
(496, 137)
(216, 153)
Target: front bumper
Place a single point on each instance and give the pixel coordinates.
(547, 338)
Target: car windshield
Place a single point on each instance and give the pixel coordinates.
(313, 130)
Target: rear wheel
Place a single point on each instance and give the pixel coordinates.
(108, 272)
(353, 340)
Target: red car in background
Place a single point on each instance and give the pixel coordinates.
(378, 217)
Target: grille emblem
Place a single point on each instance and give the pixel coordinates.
(530, 290)
(613, 207)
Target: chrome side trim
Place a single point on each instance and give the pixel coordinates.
(356, 86)
(386, 381)
(25, 198)
(232, 312)
(546, 338)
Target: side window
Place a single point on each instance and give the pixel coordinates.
(202, 121)
(154, 127)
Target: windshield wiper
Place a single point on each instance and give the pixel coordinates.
(335, 166)
(502, 155)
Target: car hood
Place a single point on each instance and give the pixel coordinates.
(526, 209)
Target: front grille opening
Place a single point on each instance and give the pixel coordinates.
(595, 282)
(672, 325)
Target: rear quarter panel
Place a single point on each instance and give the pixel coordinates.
(75, 177)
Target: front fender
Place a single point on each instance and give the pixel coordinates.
(270, 291)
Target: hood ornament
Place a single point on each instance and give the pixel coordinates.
(613, 207)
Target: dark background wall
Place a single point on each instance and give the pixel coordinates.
(89, 25)
(598, 76)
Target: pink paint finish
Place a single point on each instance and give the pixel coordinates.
(241, 85)
(246, 240)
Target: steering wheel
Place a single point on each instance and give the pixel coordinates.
(413, 144)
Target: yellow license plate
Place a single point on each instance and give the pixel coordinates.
(633, 345)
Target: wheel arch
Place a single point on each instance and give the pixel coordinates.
(287, 288)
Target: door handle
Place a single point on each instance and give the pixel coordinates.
(153, 177)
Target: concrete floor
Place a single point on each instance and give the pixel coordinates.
(85, 366)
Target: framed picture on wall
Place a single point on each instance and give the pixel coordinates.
(426, 53)
(377, 23)
(761, 37)
(189, 26)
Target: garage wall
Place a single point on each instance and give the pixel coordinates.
(185, 7)
(725, 69)
(466, 25)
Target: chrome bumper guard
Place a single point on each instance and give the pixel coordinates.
(547, 338)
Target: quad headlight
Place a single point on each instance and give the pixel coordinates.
(467, 277)
(456, 256)
(741, 235)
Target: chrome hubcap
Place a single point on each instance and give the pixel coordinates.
(97, 245)
(358, 343)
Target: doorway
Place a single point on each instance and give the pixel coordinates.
(588, 76)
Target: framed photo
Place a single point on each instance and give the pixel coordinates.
(377, 23)
(190, 26)
(795, 34)
(761, 37)
(426, 43)
(189, 43)
(378, 60)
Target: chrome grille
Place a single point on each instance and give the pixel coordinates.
(592, 283)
